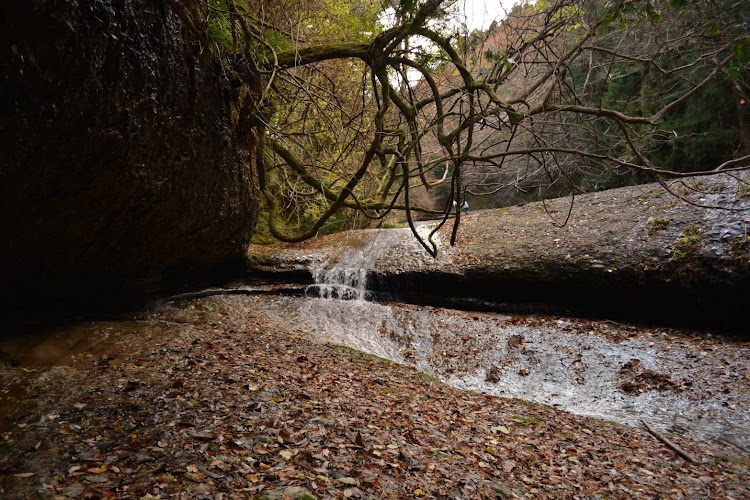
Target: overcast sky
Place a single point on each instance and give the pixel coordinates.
(479, 14)
(476, 14)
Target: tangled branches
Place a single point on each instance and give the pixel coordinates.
(364, 124)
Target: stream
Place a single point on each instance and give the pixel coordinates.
(692, 384)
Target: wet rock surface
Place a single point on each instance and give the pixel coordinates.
(207, 396)
(630, 253)
(120, 168)
(691, 383)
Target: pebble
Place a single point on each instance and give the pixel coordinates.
(91, 478)
(73, 490)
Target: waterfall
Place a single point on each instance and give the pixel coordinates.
(344, 274)
(343, 280)
(338, 308)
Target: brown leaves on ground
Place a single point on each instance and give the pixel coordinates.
(638, 379)
(218, 402)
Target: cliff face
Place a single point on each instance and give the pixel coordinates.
(120, 168)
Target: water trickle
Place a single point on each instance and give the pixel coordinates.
(344, 275)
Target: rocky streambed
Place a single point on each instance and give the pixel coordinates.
(259, 396)
(688, 383)
(636, 253)
(265, 392)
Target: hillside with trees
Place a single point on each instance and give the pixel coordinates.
(561, 97)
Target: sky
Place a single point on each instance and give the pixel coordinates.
(479, 14)
(476, 14)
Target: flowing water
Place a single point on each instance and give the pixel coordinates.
(690, 384)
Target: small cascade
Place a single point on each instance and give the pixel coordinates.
(343, 275)
(342, 280)
(338, 308)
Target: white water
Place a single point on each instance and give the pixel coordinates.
(346, 277)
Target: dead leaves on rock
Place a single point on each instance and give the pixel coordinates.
(224, 404)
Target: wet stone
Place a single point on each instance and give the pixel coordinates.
(73, 490)
(91, 478)
(291, 492)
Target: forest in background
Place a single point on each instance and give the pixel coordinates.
(360, 115)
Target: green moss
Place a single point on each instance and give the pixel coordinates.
(262, 239)
(684, 255)
(525, 420)
(656, 224)
(350, 352)
(687, 244)
(738, 248)
(731, 460)
(389, 225)
(254, 260)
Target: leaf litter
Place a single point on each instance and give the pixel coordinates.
(206, 397)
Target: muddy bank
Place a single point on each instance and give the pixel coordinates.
(205, 396)
(120, 167)
(636, 253)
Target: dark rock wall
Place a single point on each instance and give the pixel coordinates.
(120, 170)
